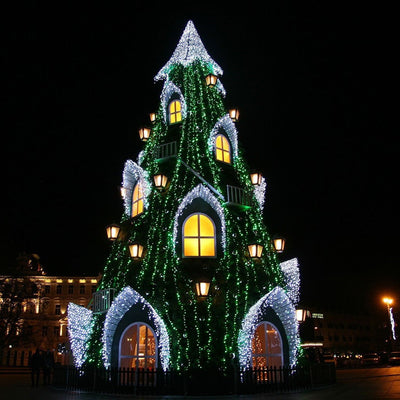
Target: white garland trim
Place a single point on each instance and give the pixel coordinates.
(121, 304)
(278, 300)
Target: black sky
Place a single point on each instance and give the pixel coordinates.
(313, 84)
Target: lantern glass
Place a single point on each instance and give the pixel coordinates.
(152, 117)
(136, 251)
(234, 114)
(279, 244)
(144, 133)
(160, 181)
(256, 178)
(255, 250)
(202, 288)
(211, 80)
(112, 231)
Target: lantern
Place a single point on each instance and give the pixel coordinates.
(255, 250)
(202, 288)
(122, 192)
(211, 80)
(152, 117)
(279, 244)
(160, 181)
(112, 231)
(301, 315)
(136, 251)
(144, 133)
(256, 178)
(234, 114)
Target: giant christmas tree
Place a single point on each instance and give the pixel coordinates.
(192, 220)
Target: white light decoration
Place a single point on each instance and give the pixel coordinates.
(79, 330)
(278, 300)
(392, 323)
(121, 304)
(204, 193)
(259, 192)
(225, 123)
(168, 90)
(189, 49)
(132, 174)
(291, 274)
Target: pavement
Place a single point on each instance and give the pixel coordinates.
(364, 384)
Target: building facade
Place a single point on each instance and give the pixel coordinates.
(42, 318)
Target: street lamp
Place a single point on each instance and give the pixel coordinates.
(389, 301)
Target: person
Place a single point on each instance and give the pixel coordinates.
(48, 365)
(35, 364)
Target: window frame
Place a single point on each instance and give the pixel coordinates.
(223, 151)
(265, 354)
(174, 113)
(136, 357)
(139, 200)
(199, 237)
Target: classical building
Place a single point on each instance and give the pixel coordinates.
(42, 317)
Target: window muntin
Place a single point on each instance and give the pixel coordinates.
(138, 347)
(266, 346)
(222, 149)
(175, 112)
(137, 200)
(198, 236)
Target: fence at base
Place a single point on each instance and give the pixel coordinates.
(194, 382)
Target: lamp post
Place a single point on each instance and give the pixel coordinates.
(389, 301)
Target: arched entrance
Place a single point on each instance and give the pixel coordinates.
(266, 346)
(138, 347)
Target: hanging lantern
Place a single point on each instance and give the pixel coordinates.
(279, 244)
(211, 80)
(160, 181)
(152, 117)
(144, 133)
(202, 288)
(256, 178)
(136, 251)
(112, 231)
(122, 191)
(301, 315)
(234, 114)
(255, 250)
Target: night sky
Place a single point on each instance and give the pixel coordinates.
(313, 85)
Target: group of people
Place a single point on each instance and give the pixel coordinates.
(41, 361)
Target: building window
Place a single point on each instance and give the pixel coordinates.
(58, 289)
(137, 200)
(94, 287)
(56, 331)
(266, 346)
(58, 309)
(222, 149)
(71, 289)
(82, 289)
(198, 236)
(47, 289)
(44, 331)
(138, 347)
(175, 112)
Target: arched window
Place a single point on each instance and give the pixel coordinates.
(266, 346)
(138, 347)
(222, 149)
(137, 200)
(175, 112)
(198, 236)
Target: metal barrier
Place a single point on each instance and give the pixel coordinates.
(194, 382)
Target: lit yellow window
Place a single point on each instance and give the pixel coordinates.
(198, 236)
(222, 149)
(137, 200)
(175, 112)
